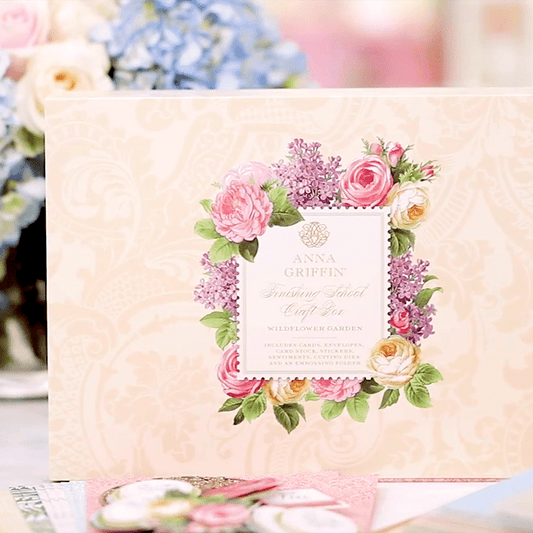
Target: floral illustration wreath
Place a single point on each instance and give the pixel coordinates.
(253, 197)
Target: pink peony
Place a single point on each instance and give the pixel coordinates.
(376, 148)
(395, 153)
(222, 515)
(241, 211)
(366, 182)
(227, 374)
(337, 390)
(252, 172)
(400, 321)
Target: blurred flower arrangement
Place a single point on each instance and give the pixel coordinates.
(49, 47)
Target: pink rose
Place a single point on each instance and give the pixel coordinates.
(23, 24)
(395, 153)
(366, 182)
(337, 390)
(400, 321)
(428, 171)
(241, 211)
(252, 172)
(227, 374)
(376, 148)
(220, 515)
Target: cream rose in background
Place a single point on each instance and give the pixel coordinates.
(395, 361)
(410, 205)
(71, 19)
(58, 68)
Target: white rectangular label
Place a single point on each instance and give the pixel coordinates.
(315, 300)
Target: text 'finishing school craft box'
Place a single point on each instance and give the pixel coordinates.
(287, 281)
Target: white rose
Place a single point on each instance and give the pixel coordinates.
(71, 19)
(280, 391)
(394, 361)
(60, 68)
(409, 203)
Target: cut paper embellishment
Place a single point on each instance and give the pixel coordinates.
(354, 305)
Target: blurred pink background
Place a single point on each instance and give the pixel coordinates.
(411, 43)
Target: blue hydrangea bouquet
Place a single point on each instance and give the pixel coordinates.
(52, 46)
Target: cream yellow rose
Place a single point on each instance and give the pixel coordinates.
(280, 391)
(56, 69)
(409, 203)
(75, 18)
(394, 361)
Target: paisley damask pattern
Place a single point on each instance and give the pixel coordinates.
(132, 372)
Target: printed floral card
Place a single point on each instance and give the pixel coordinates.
(272, 282)
(315, 293)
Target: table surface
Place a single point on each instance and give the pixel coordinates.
(24, 461)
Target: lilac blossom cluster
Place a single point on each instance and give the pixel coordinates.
(311, 181)
(220, 289)
(407, 280)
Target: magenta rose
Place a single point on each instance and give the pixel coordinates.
(337, 390)
(400, 321)
(366, 182)
(227, 374)
(395, 153)
(220, 515)
(252, 172)
(241, 211)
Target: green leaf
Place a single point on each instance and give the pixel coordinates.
(427, 374)
(370, 386)
(331, 409)
(423, 297)
(222, 250)
(358, 407)
(287, 417)
(417, 394)
(269, 185)
(285, 218)
(254, 406)
(390, 397)
(279, 198)
(248, 249)
(429, 277)
(401, 240)
(206, 229)
(216, 319)
(28, 143)
(311, 396)
(207, 205)
(284, 213)
(230, 404)
(295, 406)
(226, 334)
(239, 417)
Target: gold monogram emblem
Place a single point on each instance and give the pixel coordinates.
(314, 234)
